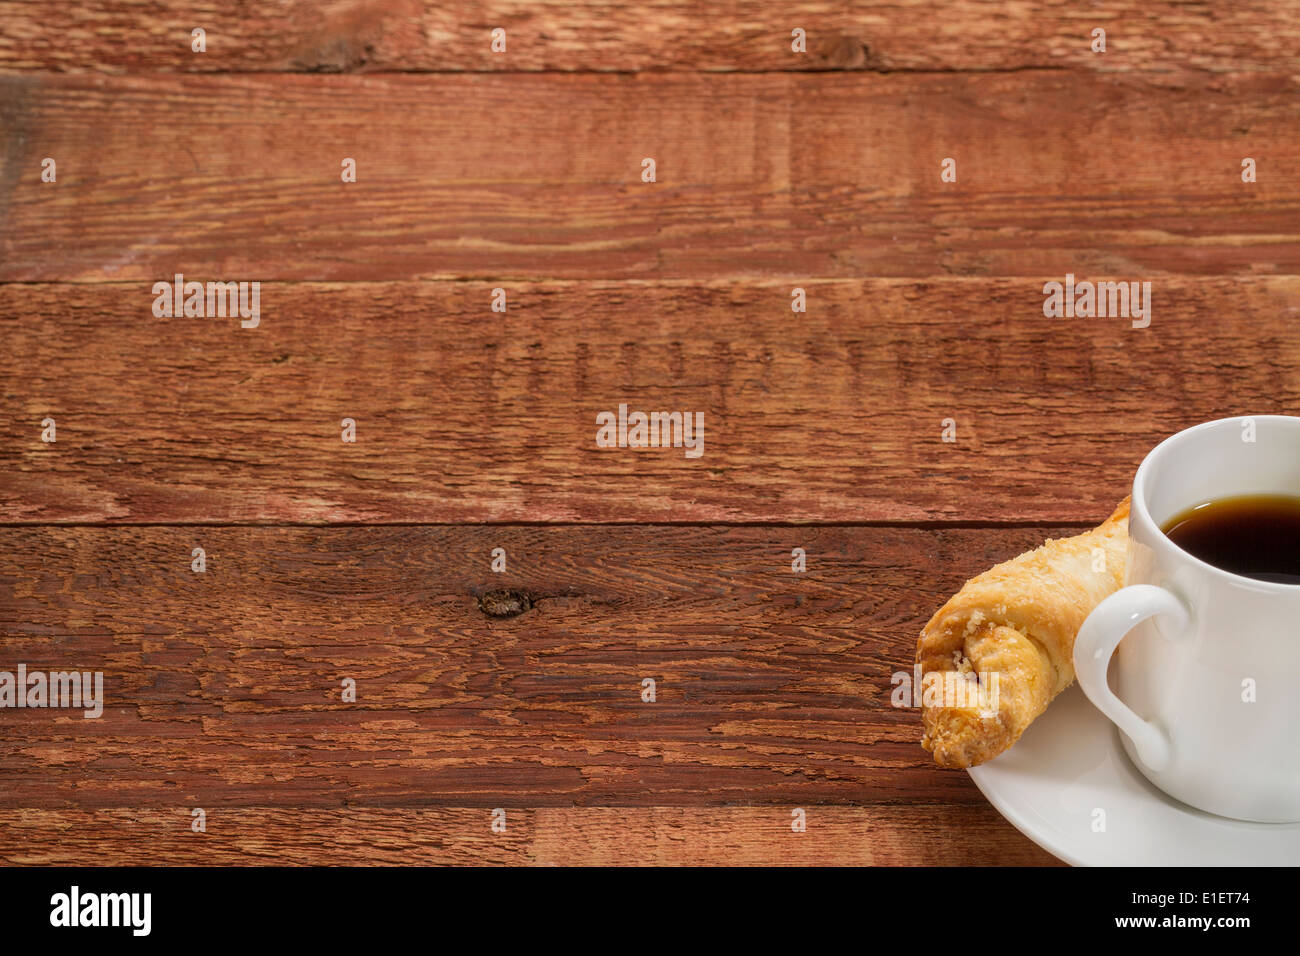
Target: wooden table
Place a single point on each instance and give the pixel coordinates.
(522, 690)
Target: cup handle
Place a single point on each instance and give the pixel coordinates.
(1101, 633)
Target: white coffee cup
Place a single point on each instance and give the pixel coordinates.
(1208, 662)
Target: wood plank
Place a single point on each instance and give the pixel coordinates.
(465, 415)
(224, 688)
(418, 35)
(908, 835)
(500, 176)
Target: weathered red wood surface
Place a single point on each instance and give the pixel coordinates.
(1163, 36)
(475, 429)
(463, 414)
(224, 688)
(500, 177)
(893, 835)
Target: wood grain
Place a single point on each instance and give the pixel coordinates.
(465, 415)
(512, 176)
(475, 429)
(224, 687)
(914, 835)
(604, 35)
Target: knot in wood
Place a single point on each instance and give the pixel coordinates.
(504, 602)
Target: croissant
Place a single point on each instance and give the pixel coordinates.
(1003, 646)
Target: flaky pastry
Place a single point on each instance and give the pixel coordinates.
(1009, 635)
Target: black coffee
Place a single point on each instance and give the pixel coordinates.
(1257, 536)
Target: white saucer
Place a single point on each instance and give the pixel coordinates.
(1069, 764)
